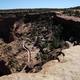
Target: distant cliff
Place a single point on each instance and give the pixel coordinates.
(71, 26)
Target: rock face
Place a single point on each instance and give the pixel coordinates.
(24, 76)
(68, 69)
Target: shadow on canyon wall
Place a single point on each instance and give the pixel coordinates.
(71, 29)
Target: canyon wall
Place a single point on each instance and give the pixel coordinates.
(9, 18)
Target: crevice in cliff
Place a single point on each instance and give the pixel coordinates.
(4, 70)
(6, 30)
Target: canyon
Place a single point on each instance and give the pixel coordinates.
(52, 28)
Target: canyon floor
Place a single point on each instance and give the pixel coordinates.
(67, 69)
